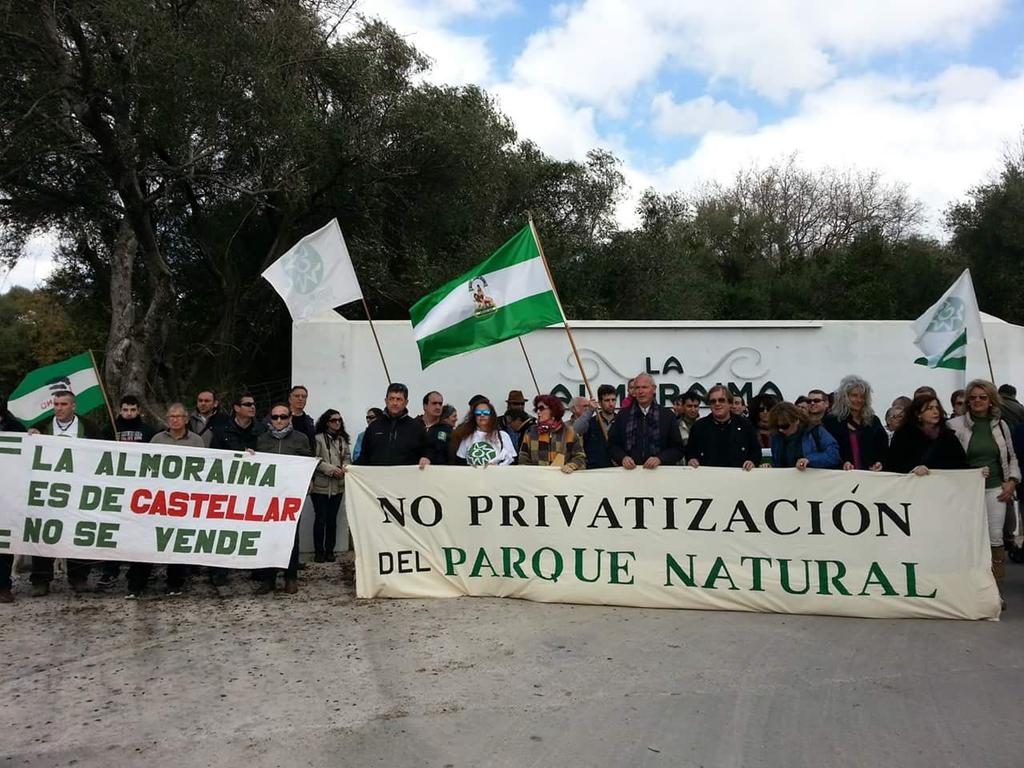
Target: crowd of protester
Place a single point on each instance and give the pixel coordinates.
(838, 429)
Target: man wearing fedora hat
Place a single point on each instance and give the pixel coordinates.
(516, 421)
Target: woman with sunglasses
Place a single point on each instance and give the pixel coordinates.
(760, 413)
(987, 441)
(332, 448)
(551, 442)
(798, 443)
(282, 439)
(923, 441)
(479, 441)
(372, 414)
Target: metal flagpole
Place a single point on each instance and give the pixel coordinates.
(374, 332)
(103, 389)
(565, 321)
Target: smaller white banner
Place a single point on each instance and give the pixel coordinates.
(100, 500)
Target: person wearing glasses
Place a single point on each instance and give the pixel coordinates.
(395, 439)
(332, 448)
(479, 441)
(722, 439)
(240, 432)
(798, 443)
(283, 439)
(987, 441)
(863, 443)
(372, 414)
(760, 408)
(551, 442)
(817, 405)
(645, 434)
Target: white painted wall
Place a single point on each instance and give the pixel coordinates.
(337, 360)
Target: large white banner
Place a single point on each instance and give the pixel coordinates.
(778, 540)
(100, 500)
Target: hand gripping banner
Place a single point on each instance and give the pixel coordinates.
(777, 540)
(99, 500)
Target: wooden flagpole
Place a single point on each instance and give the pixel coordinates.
(376, 340)
(103, 389)
(528, 365)
(565, 321)
(988, 357)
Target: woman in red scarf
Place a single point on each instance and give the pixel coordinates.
(550, 442)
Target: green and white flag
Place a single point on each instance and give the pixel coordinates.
(32, 401)
(506, 296)
(950, 324)
(316, 274)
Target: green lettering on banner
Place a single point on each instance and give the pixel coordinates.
(163, 538)
(247, 544)
(877, 577)
(226, 542)
(105, 466)
(911, 569)
(673, 567)
(756, 577)
(182, 540)
(508, 565)
(719, 571)
(556, 568)
(578, 564)
(205, 540)
(269, 476)
(617, 567)
(482, 561)
(784, 577)
(450, 561)
(824, 578)
(47, 531)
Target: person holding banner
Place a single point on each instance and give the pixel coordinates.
(332, 448)
(479, 441)
(283, 439)
(551, 442)
(396, 438)
(863, 443)
(7, 424)
(987, 441)
(644, 434)
(65, 423)
(721, 439)
(798, 443)
(924, 440)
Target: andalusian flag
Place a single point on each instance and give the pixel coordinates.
(944, 331)
(508, 295)
(32, 401)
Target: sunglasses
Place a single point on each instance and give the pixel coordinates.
(815, 400)
(541, 408)
(280, 417)
(334, 420)
(978, 397)
(249, 404)
(482, 413)
(714, 400)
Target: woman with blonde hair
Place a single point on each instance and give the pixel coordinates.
(987, 440)
(798, 443)
(862, 440)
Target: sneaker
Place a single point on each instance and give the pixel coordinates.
(40, 590)
(172, 591)
(105, 583)
(291, 586)
(6, 596)
(132, 596)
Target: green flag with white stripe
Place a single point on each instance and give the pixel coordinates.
(32, 401)
(508, 295)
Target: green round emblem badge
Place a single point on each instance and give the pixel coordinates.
(480, 453)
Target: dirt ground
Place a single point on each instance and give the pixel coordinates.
(323, 679)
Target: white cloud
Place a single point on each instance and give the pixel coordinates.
(940, 136)
(698, 116)
(602, 50)
(35, 265)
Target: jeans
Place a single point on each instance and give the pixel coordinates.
(138, 576)
(996, 512)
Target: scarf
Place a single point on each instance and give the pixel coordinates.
(280, 434)
(543, 427)
(643, 433)
(932, 433)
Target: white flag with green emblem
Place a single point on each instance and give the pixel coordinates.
(506, 296)
(950, 324)
(32, 400)
(316, 274)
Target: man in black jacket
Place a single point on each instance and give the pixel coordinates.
(645, 434)
(240, 432)
(722, 439)
(397, 439)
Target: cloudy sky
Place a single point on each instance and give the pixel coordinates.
(929, 92)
